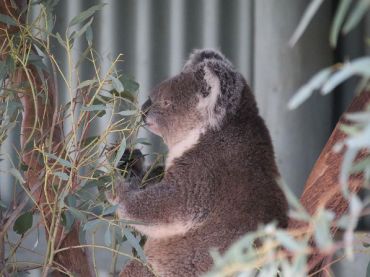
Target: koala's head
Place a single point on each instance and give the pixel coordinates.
(206, 92)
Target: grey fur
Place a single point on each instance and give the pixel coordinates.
(225, 184)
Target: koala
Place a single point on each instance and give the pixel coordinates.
(220, 173)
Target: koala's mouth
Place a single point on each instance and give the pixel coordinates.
(153, 127)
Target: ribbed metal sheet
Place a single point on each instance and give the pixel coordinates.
(156, 37)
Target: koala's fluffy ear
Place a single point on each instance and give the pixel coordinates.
(221, 89)
(201, 55)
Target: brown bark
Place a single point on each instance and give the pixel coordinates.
(322, 188)
(41, 127)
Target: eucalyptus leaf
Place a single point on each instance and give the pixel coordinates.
(89, 140)
(84, 54)
(86, 14)
(108, 237)
(117, 85)
(87, 83)
(59, 160)
(91, 108)
(23, 223)
(77, 214)
(322, 234)
(62, 175)
(289, 242)
(306, 91)
(82, 30)
(17, 175)
(120, 152)
(357, 13)
(348, 159)
(92, 225)
(129, 84)
(7, 20)
(368, 270)
(143, 141)
(306, 19)
(60, 40)
(134, 242)
(340, 15)
(110, 210)
(89, 35)
(360, 66)
(3, 204)
(67, 220)
(128, 112)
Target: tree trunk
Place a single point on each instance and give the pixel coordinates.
(322, 188)
(41, 127)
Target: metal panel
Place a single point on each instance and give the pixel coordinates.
(279, 70)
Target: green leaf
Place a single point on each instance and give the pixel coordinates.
(63, 176)
(92, 225)
(85, 14)
(82, 30)
(306, 19)
(17, 175)
(7, 20)
(89, 36)
(143, 141)
(322, 234)
(120, 152)
(83, 55)
(306, 91)
(3, 204)
(288, 241)
(87, 83)
(348, 159)
(110, 210)
(129, 84)
(77, 214)
(356, 15)
(3, 70)
(91, 108)
(67, 220)
(60, 40)
(108, 237)
(128, 113)
(117, 85)
(368, 270)
(23, 223)
(89, 140)
(59, 160)
(360, 66)
(338, 20)
(134, 242)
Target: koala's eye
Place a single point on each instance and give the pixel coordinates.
(166, 103)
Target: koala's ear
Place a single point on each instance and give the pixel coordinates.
(221, 89)
(200, 55)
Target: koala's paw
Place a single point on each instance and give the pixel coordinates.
(120, 190)
(113, 199)
(133, 162)
(136, 269)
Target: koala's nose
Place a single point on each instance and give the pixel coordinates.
(145, 108)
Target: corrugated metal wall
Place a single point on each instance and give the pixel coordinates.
(156, 36)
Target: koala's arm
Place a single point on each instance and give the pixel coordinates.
(156, 203)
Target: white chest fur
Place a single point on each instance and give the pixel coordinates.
(182, 146)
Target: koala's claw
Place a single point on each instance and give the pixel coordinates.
(133, 162)
(111, 199)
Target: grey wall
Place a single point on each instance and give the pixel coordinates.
(156, 36)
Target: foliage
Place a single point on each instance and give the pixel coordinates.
(85, 167)
(287, 252)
